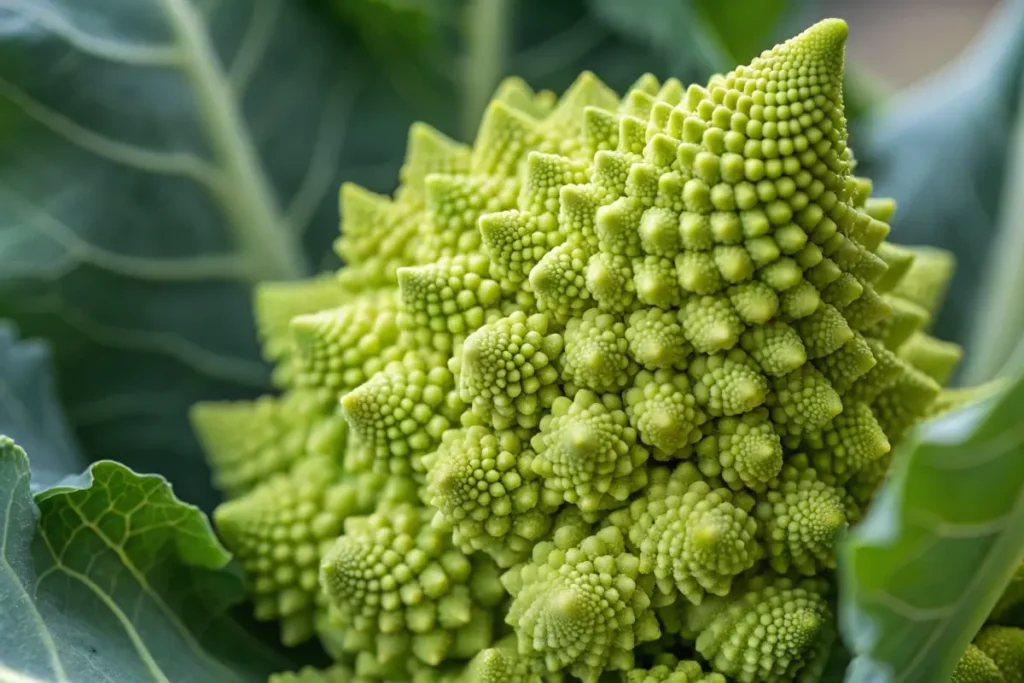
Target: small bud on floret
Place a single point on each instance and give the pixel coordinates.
(976, 667)
(401, 591)
(662, 407)
(595, 353)
(767, 632)
(582, 607)
(656, 339)
(801, 520)
(744, 451)
(508, 368)
(279, 531)
(695, 539)
(484, 488)
(588, 452)
(401, 414)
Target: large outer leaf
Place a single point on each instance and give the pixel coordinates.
(923, 570)
(113, 578)
(30, 412)
(999, 327)
(165, 155)
(942, 151)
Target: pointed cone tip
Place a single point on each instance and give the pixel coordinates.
(408, 276)
(229, 519)
(565, 606)
(447, 482)
(749, 392)
(494, 228)
(833, 520)
(541, 278)
(707, 535)
(305, 330)
(425, 138)
(826, 39)
(581, 441)
(833, 29)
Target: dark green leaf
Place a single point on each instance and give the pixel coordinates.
(113, 578)
(942, 150)
(921, 573)
(168, 154)
(674, 28)
(742, 27)
(838, 662)
(30, 411)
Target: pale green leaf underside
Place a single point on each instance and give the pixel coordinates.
(119, 581)
(921, 573)
(30, 412)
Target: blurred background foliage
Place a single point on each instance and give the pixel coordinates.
(162, 156)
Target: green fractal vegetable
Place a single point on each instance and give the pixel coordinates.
(594, 398)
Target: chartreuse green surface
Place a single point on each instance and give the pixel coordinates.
(607, 385)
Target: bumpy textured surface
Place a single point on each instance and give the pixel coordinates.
(668, 669)
(335, 674)
(581, 605)
(1004, 645)
(645, 358)
(976, 667)
(399, 589)
(997, 653)
(281, 529)
(774, 630)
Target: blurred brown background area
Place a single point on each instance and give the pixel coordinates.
(902, 41)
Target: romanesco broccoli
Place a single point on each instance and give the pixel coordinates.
(615, 377)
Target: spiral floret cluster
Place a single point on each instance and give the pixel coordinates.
(643, 358)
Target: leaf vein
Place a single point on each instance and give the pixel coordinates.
(182, 164)
(254, 45)
(320, 173)
(984, 452)
(216, 266)
(95, 46)
(58, 666)
(238, 370)
(1018, 508)
(140, 578)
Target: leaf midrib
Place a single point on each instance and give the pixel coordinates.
(51, 648)
(253, 217)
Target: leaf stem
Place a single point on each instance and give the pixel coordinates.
(487, 52)
(254, 218)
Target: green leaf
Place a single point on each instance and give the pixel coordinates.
(943, 151)
(30, 412)
(742, 27)
(999, 326)
(920, 574)
(166, 155)
(838, 661)
(409, 21)
(675, 29)
(113, 578)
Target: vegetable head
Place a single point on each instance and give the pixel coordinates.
(647, 355)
